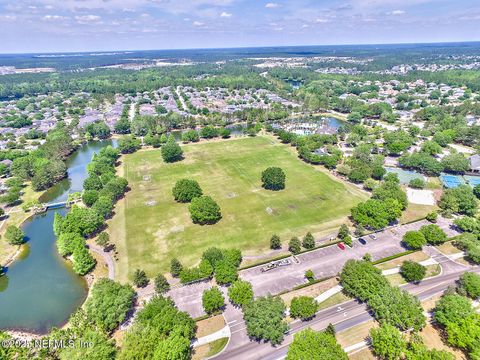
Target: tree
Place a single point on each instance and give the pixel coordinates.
(313, 345)
(414, 240)
(185, 190)
(459, 200)
(294, 245)
(103, 239)
(273, 178)
(470, 284)
(225, 272)
(412, 271)
(208, 132)
(476, 191)
(240, 293)
(348, 240)
(433, 234)
(140, 278)
(417, 183)
(275, 242)
(14, 235)
(308, 241)
(452, 308)
(455, 163)
(68, 242)
(264, 318)
(303, 307)
(83, 261)
(204, 210)
(89, 197)
(388, 342)
(171, 151)
(161, 284)
(376, 214)
(343, 231)
(432, 216)
(212, 300)
(128, 144)
(108, 303)
(176, 267)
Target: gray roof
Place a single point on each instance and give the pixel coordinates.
(474, 162)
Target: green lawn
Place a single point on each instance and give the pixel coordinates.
(150, 228)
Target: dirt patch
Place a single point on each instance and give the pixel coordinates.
(209, 326)
(312, 290)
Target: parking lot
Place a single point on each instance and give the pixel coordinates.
(329, 261)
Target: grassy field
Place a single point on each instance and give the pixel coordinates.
(150, 228)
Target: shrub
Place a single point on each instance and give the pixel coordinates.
(417, 183)
(308, 241)
(432, 216)
(275, 242)
(414, 240)
(273, 178)
(343, 231)
(433, 234)
(102, 239)
(309, 275)
(240, 293)
(294, 245)
(212, 300)
(348, 240)
(204, 210)
(412, 271)
(303, 307)
(140, 278)
(186, 190)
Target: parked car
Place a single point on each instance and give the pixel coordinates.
(372, 236)
(341, 246)
(362, 241)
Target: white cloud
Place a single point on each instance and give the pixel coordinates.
(225, 14)
(198, 23)
(398, 12)
(322, 21)
(304, 26)
(54, 18)
(87, 19)
(271, 5)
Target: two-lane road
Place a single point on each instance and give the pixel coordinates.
(343, 316)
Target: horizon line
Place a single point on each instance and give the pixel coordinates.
(244, 47)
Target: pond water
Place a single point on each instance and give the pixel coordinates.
(40, 290)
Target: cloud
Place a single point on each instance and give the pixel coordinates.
(322, 21)
(88, 19)
(271, 5)
(198, 23)
(398, 12)
(54, 18)
(225, 14)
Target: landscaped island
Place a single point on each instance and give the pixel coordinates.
(151, 227)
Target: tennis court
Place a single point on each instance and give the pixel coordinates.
(405, 176)
(472, 180)
(451, 181)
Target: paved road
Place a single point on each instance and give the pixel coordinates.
(108, 259)
(344, 316)
(327, 261)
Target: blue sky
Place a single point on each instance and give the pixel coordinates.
(89, 25)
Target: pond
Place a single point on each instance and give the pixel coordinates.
(40, 289)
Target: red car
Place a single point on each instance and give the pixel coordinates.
(341, 246)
